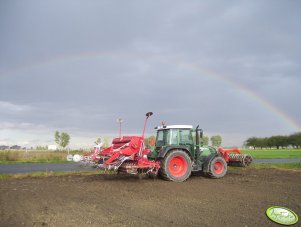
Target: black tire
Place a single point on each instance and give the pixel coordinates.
(217, 168)
(176, 166)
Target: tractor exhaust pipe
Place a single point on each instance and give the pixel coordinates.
(198, 135)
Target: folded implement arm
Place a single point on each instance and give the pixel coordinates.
(234, 157)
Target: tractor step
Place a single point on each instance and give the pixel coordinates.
(196, 168)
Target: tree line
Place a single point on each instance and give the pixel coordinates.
(216, 140)
(293, 140)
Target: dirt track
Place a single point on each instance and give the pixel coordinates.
(239, 199)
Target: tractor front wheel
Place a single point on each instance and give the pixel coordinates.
(217, 168)
(176, 166)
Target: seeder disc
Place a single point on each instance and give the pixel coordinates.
(69, 157)
(77, 158)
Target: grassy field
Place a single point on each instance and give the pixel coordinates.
(267, 153)
(11, 156)
(294, 165)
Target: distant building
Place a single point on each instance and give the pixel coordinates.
(16, 147)
(52, 147)
(3, 147)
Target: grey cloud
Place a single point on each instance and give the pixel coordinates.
(10, 107)
(77, 65)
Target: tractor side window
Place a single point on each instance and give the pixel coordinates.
(160, 139)
(174, 136)
(185, 136)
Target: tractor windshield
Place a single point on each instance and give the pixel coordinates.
(173, 137)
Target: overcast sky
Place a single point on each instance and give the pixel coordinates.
(233, 67)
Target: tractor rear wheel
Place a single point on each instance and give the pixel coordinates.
(176, 166)
(217, 168)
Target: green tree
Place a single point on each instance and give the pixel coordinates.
(262, 142)
(295, 140)
(62, 139)
(216, 140)
(279, 141)
(252, 142)
(204, 140)
(57, 137)
(269, 142)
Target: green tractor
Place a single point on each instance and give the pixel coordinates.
(180, 153)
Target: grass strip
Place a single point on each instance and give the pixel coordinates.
(273, 153)
(293, 165)
(11, 156)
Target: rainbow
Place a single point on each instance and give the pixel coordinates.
(268, 105)
(265, 103)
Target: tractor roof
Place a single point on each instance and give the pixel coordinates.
(174, 126)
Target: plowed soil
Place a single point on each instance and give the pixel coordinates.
(239, 199)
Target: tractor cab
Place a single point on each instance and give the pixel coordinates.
(180, 137)
(174, 135)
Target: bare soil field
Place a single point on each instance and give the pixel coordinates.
(239, 199)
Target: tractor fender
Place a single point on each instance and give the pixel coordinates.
(208, 159)
(165, 150)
